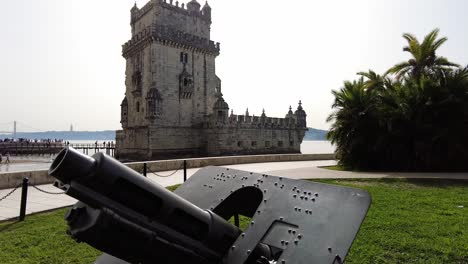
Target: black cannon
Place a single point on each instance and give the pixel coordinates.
(135, 220)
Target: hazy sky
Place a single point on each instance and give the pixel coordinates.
(61, 60)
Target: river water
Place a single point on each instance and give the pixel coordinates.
(27, 163)
(307, 147)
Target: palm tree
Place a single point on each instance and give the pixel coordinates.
(374, 81)
(424, 60)
(354, 122)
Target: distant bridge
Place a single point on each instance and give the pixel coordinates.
(14, 127)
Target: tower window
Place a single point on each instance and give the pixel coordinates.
(280, 143)
(138, 107)
(183, 57)
(267, 144)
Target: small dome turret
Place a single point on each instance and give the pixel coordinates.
(221, 110)
(124, 112)
(290, 113)
(206, 11)
(193, 6)
(206, 7)
(300, 115)
(221, 104)
(124, 102)
(134, 8)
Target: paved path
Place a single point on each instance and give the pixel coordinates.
(38, 201)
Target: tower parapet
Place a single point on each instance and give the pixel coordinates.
(169, 36)
(191, 9)
(263, 121)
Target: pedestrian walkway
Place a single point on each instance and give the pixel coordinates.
(39, 201)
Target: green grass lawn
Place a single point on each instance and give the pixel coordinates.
(410, 221)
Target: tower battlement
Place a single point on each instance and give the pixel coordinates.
(189, 18)
(169, 36)
(191, 9)
(175, 6)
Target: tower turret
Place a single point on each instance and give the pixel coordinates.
(290, 113)
(300, 116)
(206, 11)
(221, 108)
(133, 17)
(124, 112)
(193, 7)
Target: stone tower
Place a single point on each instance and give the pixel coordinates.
(173, 95)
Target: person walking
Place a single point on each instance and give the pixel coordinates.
(7, 157)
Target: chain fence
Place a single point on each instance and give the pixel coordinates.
(44, 191)
(11, 192)
(165, 176)
(33, 186)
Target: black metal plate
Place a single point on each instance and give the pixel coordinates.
(327, 217)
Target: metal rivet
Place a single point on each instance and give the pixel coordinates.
(248, 251)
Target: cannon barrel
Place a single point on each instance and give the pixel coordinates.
(132, 218)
